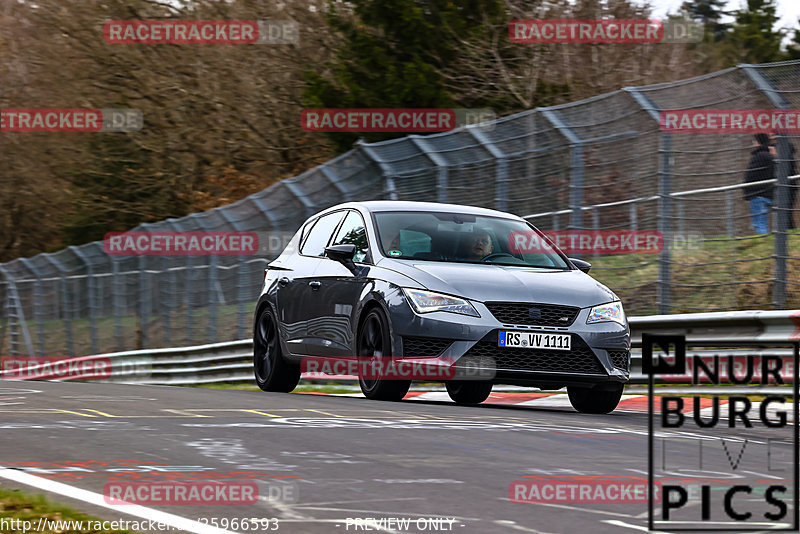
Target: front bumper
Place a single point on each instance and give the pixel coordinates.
(600, 352)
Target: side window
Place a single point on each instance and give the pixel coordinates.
(353, 232)
(320, 234)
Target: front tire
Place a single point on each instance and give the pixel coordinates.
(271, 370)
(374, 343)
(468, 391)
(594, 400)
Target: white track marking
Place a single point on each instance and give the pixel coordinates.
(389, 514)
(107, 398)
(559, 400)
(515, 526)
(618, 523)
(573, 508)
(97, 499)
(358, 501)
(289, 514)
(433, 396)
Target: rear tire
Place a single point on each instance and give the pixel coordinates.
(271, 370)
(468, 391)
(374, 343)
(594, 400)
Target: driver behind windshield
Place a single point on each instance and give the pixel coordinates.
(480, 246)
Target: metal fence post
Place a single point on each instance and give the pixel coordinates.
(165, 305)
(388, 175)
(730, 209)
(576, 166)
(38, 302)
(335, 181)
(90, 286)
(117, 302)
(291, 185)
(665, 222)
(188, 297)
(243, 282)
(241, 260)
(15, 318)
(665, 160)
(64, 303)
(213, 296)
(442, 177)
(67, 315)
(782, 213)
(501, 169)
(144, 301)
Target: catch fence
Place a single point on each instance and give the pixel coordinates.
(575, 163)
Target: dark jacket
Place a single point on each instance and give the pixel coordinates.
(762, 167)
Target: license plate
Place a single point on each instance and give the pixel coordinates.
(534, 340)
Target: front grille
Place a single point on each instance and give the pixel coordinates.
(533, 314)
(619, 358)
(424, 346)
(580, 359)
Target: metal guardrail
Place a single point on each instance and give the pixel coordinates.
(232, 361)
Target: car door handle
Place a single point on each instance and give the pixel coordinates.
(315, 284)
(283, 281)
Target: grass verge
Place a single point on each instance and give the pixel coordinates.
(18, 505)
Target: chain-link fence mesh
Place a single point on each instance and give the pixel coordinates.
(599, 164)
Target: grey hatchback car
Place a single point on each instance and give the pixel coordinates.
(444, 284)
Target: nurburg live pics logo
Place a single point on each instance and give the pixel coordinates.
(746, 488)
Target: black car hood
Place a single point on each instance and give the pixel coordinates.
(487, 282)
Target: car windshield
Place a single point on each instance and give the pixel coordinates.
(464, 238)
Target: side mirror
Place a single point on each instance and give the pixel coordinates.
(344, 254)
(581, 265)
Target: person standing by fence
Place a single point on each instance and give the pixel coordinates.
(761, 167)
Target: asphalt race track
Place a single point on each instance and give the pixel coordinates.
(323, 462)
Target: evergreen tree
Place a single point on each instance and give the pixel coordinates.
(793, 50)
(754, 37)
(393, 53)
(709, 13)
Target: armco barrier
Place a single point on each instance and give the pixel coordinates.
(232, 361)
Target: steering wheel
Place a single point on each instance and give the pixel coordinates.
(496, 254)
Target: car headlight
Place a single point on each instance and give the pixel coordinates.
(428, 301)
(611, 312)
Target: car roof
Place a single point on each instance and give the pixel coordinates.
(377, 206)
